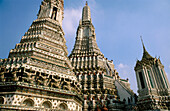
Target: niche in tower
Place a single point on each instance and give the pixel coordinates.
(141, 80)
(54, 13)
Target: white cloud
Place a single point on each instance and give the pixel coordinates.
(73, 15)
(121, 65)
(123, 69)
(126, 71)
(71, 21)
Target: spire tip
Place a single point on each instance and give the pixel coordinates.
(141, 40)
(142, 43)
(86, 3)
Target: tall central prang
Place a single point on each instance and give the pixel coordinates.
(37, 75)
(96, 73)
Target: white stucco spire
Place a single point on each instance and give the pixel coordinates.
(86, 36)
(86, 15)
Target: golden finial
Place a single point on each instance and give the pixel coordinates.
(86, 3)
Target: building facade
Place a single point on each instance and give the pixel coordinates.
(37, 75)
(153, 84)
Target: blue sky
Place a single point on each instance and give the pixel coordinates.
(118, 23)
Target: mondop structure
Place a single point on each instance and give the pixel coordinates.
(38, 75)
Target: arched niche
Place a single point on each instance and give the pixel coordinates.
(2, 100)
(28, 102)
(63, 107)
(47, 104)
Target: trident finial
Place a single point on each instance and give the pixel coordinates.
(86, 3)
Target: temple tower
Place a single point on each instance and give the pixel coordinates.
(153, 84)
(37, 75)
(95, 72)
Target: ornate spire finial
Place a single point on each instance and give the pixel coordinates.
(145, 53)
(86, 15)
(142, 41)
(143, 44)
(86, 3)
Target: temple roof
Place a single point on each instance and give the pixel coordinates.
(147, 59)
(146, 55)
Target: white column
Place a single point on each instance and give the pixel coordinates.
(164, 80)
(138, 80)
(145, 79)
(153, 78)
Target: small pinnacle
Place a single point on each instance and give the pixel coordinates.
(86, 3)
